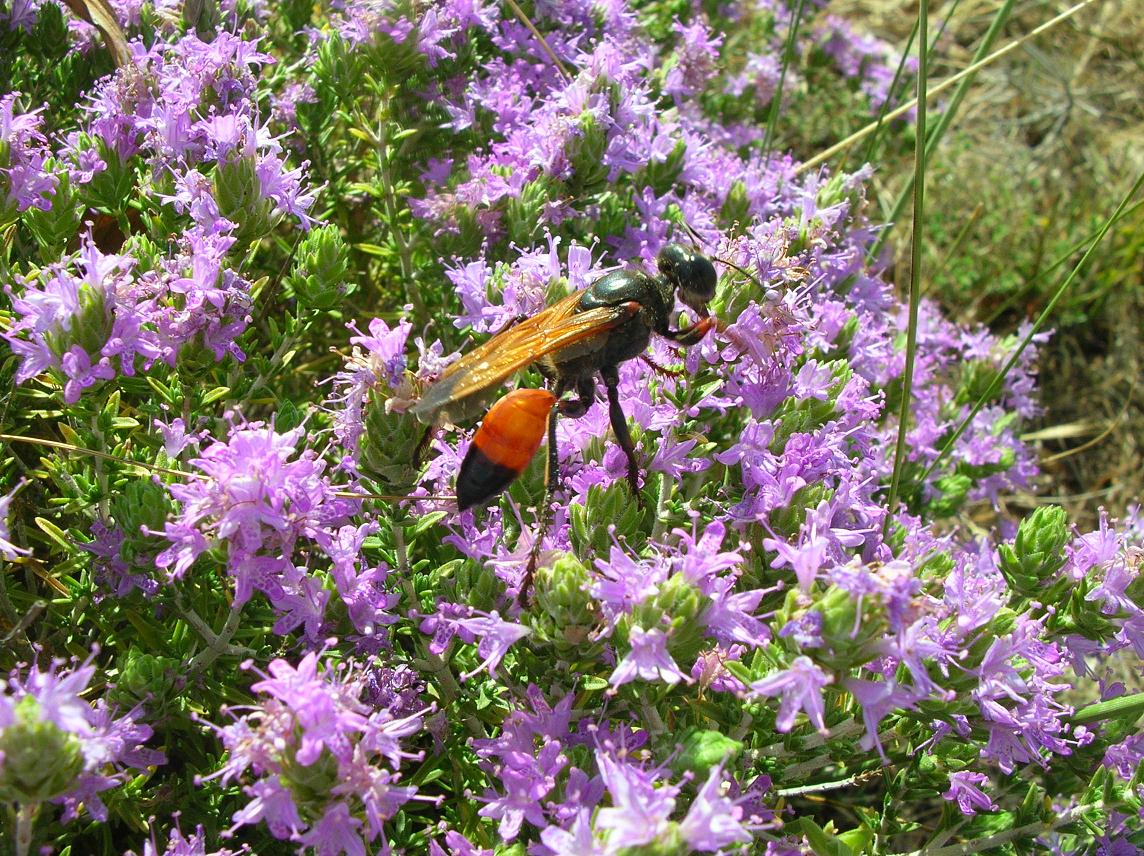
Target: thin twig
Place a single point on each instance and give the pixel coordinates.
(524, 19)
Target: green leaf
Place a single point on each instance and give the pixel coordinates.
(215, 394)
(821, 842)
(55, 533)
(371, 249)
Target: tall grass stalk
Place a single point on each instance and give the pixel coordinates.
(921, 150)
(868, 153)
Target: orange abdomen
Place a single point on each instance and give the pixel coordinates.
(504, 444)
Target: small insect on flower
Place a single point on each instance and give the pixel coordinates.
(584, 336)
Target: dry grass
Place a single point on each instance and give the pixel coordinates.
(1041, 151)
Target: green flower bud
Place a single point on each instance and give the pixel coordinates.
(56, 228)
(240, 199)
(111, 188)
(850, 637)
(338, 74)
(937, 567)
(310, 785)
(143, 675)
(736, 205)
(563, 613)
(663, 175)
(319, 276)
(523, 212)
(683, 604)
(140, 504)
(1037, 554)
(702, 750)
(607, 506)
(841, 187)
(390, 439)
(1084, 618)
(41, 760)
(586, 154)
(795, 416)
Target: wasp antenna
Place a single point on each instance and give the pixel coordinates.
(741, 270)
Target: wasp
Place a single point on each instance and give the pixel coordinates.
(576, 342)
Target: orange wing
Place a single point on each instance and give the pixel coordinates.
(511, 350)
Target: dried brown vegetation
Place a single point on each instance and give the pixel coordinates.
(1047, 142)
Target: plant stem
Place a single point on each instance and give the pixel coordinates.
(25, 820)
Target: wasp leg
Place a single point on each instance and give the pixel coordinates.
(620, 428)
(691, 335)
(511, 322)
(663, 370)
(422, 446)
(573, 409)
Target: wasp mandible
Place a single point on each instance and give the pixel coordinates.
(581, 338)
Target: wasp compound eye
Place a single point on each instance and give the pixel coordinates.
(691, 273)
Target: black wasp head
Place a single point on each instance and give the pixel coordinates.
(692, 274)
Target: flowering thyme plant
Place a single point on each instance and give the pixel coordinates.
(230, 268)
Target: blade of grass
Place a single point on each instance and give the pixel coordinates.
(547, 48)
(1037, 325)
(919, 185)
(944, 121)
(933, 91)
(788, 56)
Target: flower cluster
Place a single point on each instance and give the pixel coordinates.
(24, 181)
(323, 759)
(58, 747)
(183, 122)
(873, 63)
(268, 513)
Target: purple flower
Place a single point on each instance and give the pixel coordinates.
(309, 715)
(713, 820)
(56, 745)
(24, 181)
(878, 698)
(496, 636)
(260, 504)
(648, 660)
(526, 780)
(8, 550)
(639, 812)
(695, 60)
(1125, 756)
(964, 789)
(335, 832)
(180, 844)
(800, 687)
(384, 352)
(578, 840)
